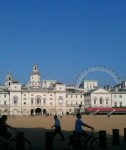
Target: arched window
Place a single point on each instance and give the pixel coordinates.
(38, 100)
(60, 99)
(15, 100)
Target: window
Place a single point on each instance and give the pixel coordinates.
(24, 103)
(60, 99)
(5, 95)
(101, 101)
(44, 101)
(15, 102)
(38, 100)
(120, 104)
(31, 101)
(115, 104)
(4, 102)
(50, 103)
(76, 96)
(94, 101)
(66, 96)
(120, 96)
(115, 96)
(107, 102)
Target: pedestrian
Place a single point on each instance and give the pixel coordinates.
(57, 128)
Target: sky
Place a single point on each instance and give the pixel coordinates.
(64, 38)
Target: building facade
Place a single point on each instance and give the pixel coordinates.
(37, 96)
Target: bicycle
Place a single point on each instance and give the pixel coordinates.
(77, 141)
(15, 143)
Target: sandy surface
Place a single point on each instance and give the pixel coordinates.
(35, 128)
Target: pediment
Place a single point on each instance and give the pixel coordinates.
(100, 91)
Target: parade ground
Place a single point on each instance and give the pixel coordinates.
(35, 128)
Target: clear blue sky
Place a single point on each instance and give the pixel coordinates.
(64, 37)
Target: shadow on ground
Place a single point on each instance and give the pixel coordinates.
(37, 136)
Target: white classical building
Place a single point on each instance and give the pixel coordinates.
(98, 98)
(88, 85)
(50, 96)
(38, 96)
(105, 98)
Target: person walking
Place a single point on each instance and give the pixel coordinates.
(57, 128)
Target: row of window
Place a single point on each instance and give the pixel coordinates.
(116, 96)
(38, 102)
(67, 96)
(76, 96)
(115, 104)
(101, 101)
(106, 101)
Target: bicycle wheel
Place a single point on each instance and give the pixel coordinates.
(11, 144)
(95, 143)
(22, 144)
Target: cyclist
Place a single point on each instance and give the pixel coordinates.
(4, 126)
(79, 124)
(80, 138)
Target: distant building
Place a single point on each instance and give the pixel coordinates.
(88, 85)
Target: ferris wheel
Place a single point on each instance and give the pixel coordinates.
(97, 68)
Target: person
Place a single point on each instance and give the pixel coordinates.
(57, 128)
(4, 126)
(79, 124)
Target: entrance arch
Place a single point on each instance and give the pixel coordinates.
(38, 111)
(44, 111)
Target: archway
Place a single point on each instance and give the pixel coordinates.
(38, 111)
(44, 111)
